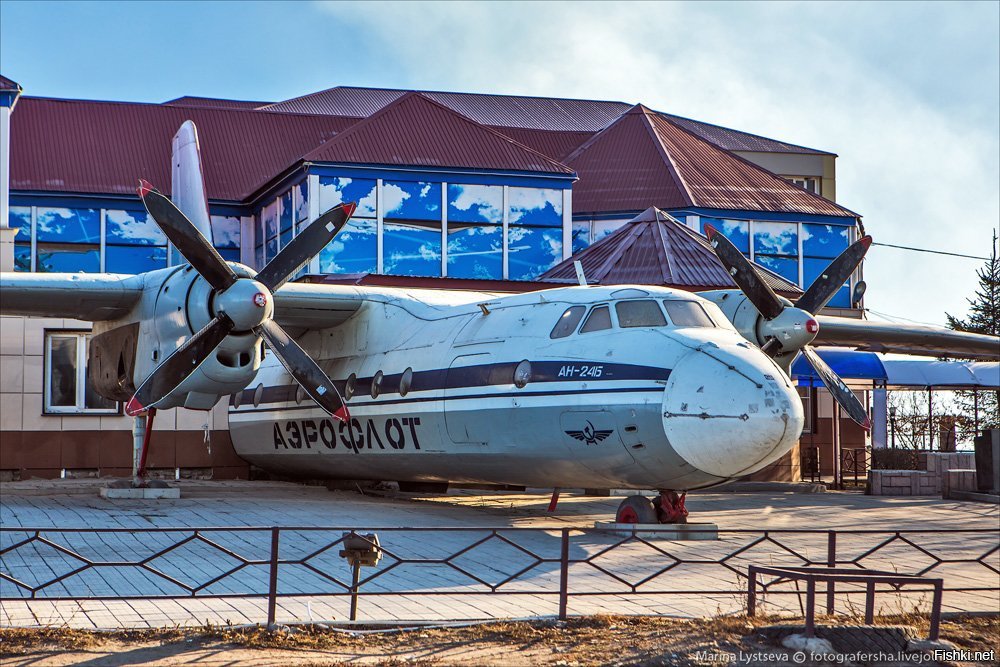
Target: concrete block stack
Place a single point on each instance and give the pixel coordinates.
(930, 480)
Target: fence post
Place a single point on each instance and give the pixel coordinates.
(831, 561)
(564, 574)
(272, 586)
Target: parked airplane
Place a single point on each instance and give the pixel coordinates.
(636, 387)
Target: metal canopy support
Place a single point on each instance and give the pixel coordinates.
(930, 418)
(880, 416)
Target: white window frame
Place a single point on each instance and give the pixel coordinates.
(82, 345)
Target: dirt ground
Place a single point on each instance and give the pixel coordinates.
(599, 640)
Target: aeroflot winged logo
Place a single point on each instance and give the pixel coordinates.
(590, 435)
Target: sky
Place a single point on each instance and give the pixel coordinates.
(907, 94)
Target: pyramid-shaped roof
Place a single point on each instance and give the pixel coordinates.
(655, 249)
(417, 131)
(646, 158)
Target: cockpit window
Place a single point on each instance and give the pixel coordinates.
(567, 323)
(598, 320)
(687, 314)
(645, 313)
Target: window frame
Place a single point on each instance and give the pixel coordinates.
(80, 408)
(659, 309)
(594, 308)
(576, 325)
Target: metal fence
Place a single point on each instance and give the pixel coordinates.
(281, 562)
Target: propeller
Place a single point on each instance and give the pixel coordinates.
(789, 329)
(240, 305)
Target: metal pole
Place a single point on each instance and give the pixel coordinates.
(936, 610)
(564, 574)
(272, 586)
(870, 603)
(975, 411)
(831, 562)
(354, 591)
(810, 607)
(930, 419)
(837, 476)
(752, 592)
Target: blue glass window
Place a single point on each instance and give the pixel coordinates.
(335, 190)
(353, 250)
(786, 267)
(532, 251)
(226, 231)
(812, 268)
(68, 225)
(271, 248)
(737, 231)
(300, 200)
(286, 213)
(411, 200)
(230, 254)
(411, 250)
(475, 203)
(535, 206)
(20, 219)
(134, 259)
(776, 238)
(269, 221)
(475, 251)
(581, 236)
(68, 258)
(824, 240)
(132, 228)
(258, 256)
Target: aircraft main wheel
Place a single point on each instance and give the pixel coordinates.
(636, 509)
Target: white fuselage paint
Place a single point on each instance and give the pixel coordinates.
(652, 407)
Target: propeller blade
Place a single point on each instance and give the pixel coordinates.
(304, 247)
(744, 275)
(187, 239)
(305, 371)
(831, 280)
(852, 406)
(178, 366)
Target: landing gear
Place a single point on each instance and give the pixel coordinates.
(668, 508)
(671, 508)
(636, 509)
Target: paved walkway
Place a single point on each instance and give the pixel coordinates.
(694, 578)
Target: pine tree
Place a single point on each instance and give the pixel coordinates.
(983, 318)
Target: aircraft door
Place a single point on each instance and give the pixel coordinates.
(464, 418)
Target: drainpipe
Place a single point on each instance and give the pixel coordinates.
(9, 92)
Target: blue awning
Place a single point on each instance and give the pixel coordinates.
(848, 364)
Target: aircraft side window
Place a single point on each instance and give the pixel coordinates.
(645, 313)
(568, 321)
(687, 314)
(598, 320)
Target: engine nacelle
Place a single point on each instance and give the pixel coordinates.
(175, 304)
(747, 319)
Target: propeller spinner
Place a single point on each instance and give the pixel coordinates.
(239, 305)
(790, 329)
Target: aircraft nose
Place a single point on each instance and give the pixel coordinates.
(730, 411)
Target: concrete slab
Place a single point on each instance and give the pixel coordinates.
(663, 531)
(129, 493)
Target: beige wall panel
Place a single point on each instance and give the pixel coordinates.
(33, 420)
(81, 423)
(791, 164)
(34, 332)
(11, 411)
(11, 335)
(220, 415)
(11, 373)
(117, 423)
(192, 420)
(824, 404)
(34, 371)
(165, 420)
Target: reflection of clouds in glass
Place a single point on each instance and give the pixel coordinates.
(824, 240)
(337, 190)
(779, 238)
(68, 225)
(133, 228)
(226, 231)
(352, 250)
(533, 251)
(475, 203)
(393, 197)
(535, 206)
(20, 218)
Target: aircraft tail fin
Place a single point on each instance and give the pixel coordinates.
(188, 180)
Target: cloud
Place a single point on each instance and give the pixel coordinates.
(488, 199)
(906, 93)
(393, 197)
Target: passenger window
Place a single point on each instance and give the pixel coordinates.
(598, 320)
(567, 323)
(644, 313)
(688, 314)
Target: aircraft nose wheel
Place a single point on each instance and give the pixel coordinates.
(636, 509)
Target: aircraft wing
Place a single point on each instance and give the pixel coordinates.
(82, 296)
(905, 339)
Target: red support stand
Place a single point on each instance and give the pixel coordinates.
(555, 499)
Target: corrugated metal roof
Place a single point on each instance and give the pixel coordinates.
(539, 113)
(557, 145)
(340, 101)
(105, 147)
(645, 159)
(736, 140)
(417, 131)
(217, 103)
(655, 249)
